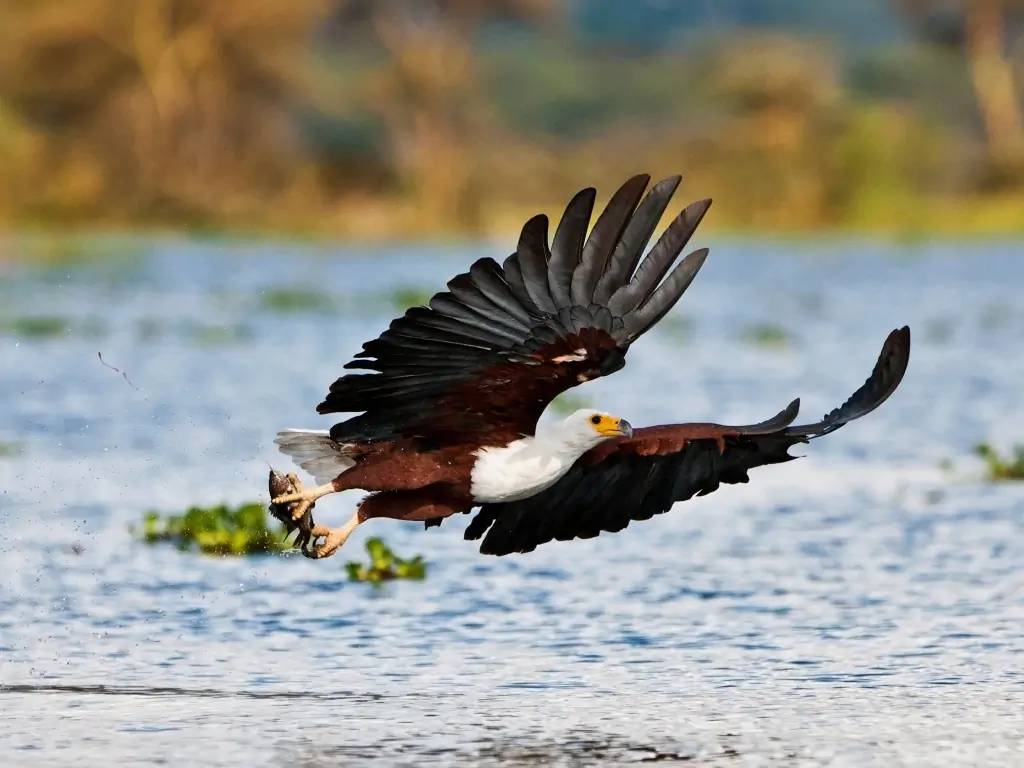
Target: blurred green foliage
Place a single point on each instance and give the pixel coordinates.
(293, 299)
(214, 335)
(385, 565)
(1010, 467)
(767, 335)
(219, 530)
(677, 329)
(405, 296)
(402, 118)
(201, 334)
(44, 327)
(10, 450)
(37, 326)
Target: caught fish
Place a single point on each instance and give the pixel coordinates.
(279, 484)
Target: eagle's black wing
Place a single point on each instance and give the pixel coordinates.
(642, 476)
(487, 356)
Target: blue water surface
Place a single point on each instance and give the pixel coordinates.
(861, 606)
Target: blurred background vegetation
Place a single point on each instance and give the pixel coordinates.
(390, 118)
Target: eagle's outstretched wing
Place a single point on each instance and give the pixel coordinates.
(642, 476)
(488, 355)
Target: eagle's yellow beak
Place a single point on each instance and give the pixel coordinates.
(612, 426)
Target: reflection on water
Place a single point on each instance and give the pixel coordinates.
(860, 606)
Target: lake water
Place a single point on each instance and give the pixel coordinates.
(861, 606)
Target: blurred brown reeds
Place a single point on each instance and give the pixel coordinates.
(382, 119)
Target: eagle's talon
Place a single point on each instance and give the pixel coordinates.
(300, 509)
(302, 498)
(302, 538)
(333, 539)
(316, 533)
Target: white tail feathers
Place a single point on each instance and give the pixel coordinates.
(315, 452)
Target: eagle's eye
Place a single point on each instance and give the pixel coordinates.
(595, 419)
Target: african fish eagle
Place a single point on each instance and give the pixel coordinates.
(448, 414)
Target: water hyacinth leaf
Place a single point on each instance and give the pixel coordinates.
(286, 300)
(385, 565)
(219, 530)
(1010, 467)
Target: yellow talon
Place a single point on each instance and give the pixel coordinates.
(305, 497)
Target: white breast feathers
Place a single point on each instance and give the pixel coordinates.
(529, 465)
(516, 471)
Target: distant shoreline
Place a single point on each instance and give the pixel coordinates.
(56, 245)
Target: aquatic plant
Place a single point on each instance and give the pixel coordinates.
(210, 335)
(219, 530)
(8, 450)
(403, 297)
(37, 326)
(41, 327)
(297, 299)
(767, 335)
(385, 565)
(201, 334)
(1000, 467)
(677, 329)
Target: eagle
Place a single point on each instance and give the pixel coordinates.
(444, 417)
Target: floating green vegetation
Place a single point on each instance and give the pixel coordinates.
(206, 335)
(38, 326)
(42, 327)
(767, 335)
(677, 329)
(385, 565)
(406, 296)
(201, 334)
(297, 299)
(568, 402)
(10, 450)
(1000, 467)
(219, 530)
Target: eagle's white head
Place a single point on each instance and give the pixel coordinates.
(586, 428)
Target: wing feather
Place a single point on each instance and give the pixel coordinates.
(447, 305)
(533, 260)
(638, 233)
(605, 237)
(485, 279)
(658, 262)
(567, 247)
(665, 295)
